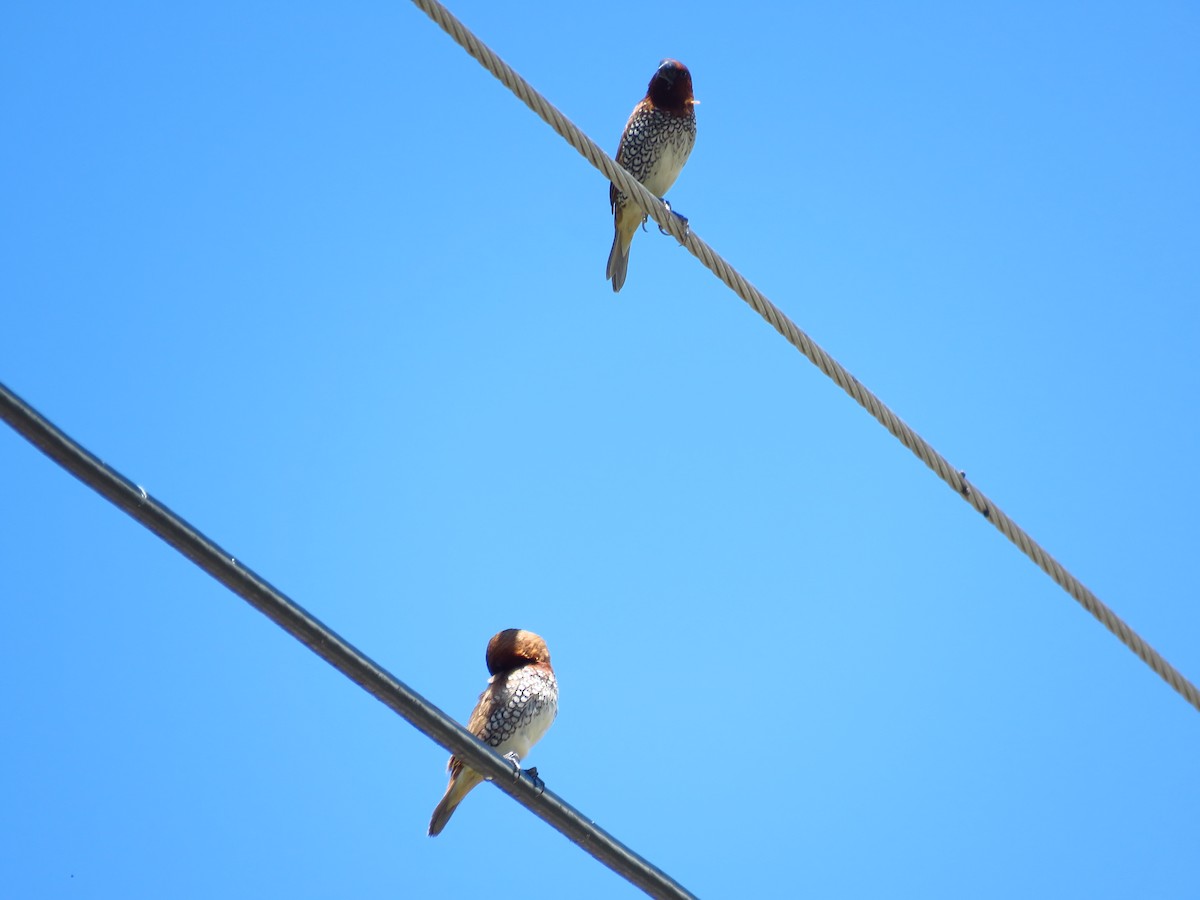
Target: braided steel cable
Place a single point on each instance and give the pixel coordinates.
(652, 207)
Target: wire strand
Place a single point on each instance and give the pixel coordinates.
(371, 677)
(806, 345)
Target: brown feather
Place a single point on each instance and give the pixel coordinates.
(670, 89)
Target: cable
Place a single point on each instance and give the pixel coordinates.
(372, 678)
(413, 707)
(650, 205)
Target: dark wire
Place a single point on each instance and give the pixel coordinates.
(272, 603)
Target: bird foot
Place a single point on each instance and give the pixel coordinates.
(531, 772)
(683, 220)
(512, 757)
(536, 779)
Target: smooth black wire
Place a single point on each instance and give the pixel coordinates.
(360, 669)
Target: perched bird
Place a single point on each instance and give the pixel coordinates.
(654, 146)
(513, 712)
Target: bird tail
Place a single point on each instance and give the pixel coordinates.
(626, 225)
(460, 785)
(618, 263)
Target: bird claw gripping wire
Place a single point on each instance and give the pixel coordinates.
(512, 757)
(683, 220)
(536, 779)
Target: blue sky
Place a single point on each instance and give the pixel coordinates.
(325, 288)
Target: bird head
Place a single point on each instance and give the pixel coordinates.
(671, 87)
(513, 648)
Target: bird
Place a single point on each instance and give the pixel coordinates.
(657, 141)
(512, 714)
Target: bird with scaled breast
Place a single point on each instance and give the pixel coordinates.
(513, 712)
(657, 141)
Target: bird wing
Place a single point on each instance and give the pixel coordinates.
(478, 723)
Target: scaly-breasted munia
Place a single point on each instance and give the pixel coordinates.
(654, 146)
(513, 712)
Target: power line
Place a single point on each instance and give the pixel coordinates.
(650, 205)
(293, 619)
(420, 713)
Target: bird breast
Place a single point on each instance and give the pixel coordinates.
(655, 147)
(526, 702)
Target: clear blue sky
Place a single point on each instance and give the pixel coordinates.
(330, 292)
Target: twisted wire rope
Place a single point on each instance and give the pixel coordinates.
(653, 208)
